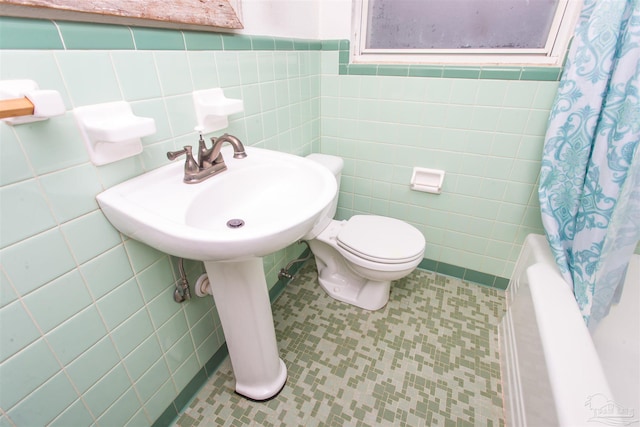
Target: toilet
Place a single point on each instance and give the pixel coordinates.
(357, 259)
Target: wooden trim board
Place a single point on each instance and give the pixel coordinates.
(184, 14)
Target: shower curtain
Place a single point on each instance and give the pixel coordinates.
(590, 175)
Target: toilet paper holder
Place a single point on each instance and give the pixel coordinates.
(427, 180)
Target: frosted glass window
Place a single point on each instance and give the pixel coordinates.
(521, 32)
(459, 24)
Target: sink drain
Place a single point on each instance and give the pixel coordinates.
(235, 223)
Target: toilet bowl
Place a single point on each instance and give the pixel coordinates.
(357, 259)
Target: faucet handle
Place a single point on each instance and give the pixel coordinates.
(172, 155)
(190, 164)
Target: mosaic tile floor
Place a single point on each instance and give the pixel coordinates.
(429, 358)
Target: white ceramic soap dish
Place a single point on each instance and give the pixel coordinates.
(212, 109)
(111, 131)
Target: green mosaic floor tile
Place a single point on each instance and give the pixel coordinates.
(430, 357)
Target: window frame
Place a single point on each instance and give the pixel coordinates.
(552, 54)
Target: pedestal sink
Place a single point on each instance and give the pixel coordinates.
(259, 205)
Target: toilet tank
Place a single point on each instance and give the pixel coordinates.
(335, 165)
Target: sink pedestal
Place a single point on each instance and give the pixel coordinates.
(240, 293)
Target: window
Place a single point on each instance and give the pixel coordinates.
(522, 32)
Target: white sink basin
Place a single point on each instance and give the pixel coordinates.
(279, 197)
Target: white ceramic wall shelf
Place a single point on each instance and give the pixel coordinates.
(111, 131)
(21, 101)
(212, 109)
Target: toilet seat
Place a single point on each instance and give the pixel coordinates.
(381, 239)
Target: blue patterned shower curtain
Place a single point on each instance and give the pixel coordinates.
(590, 175)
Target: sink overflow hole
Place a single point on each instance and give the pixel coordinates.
(235, 223)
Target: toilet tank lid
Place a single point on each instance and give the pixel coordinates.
(333, 163)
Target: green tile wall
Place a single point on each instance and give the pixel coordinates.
(94, 335)
(91, 314)
(486, 134)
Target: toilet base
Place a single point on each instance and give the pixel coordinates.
(362, 293)
(358, 282)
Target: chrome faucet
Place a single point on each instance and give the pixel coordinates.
(238, 148)
(210, 161)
